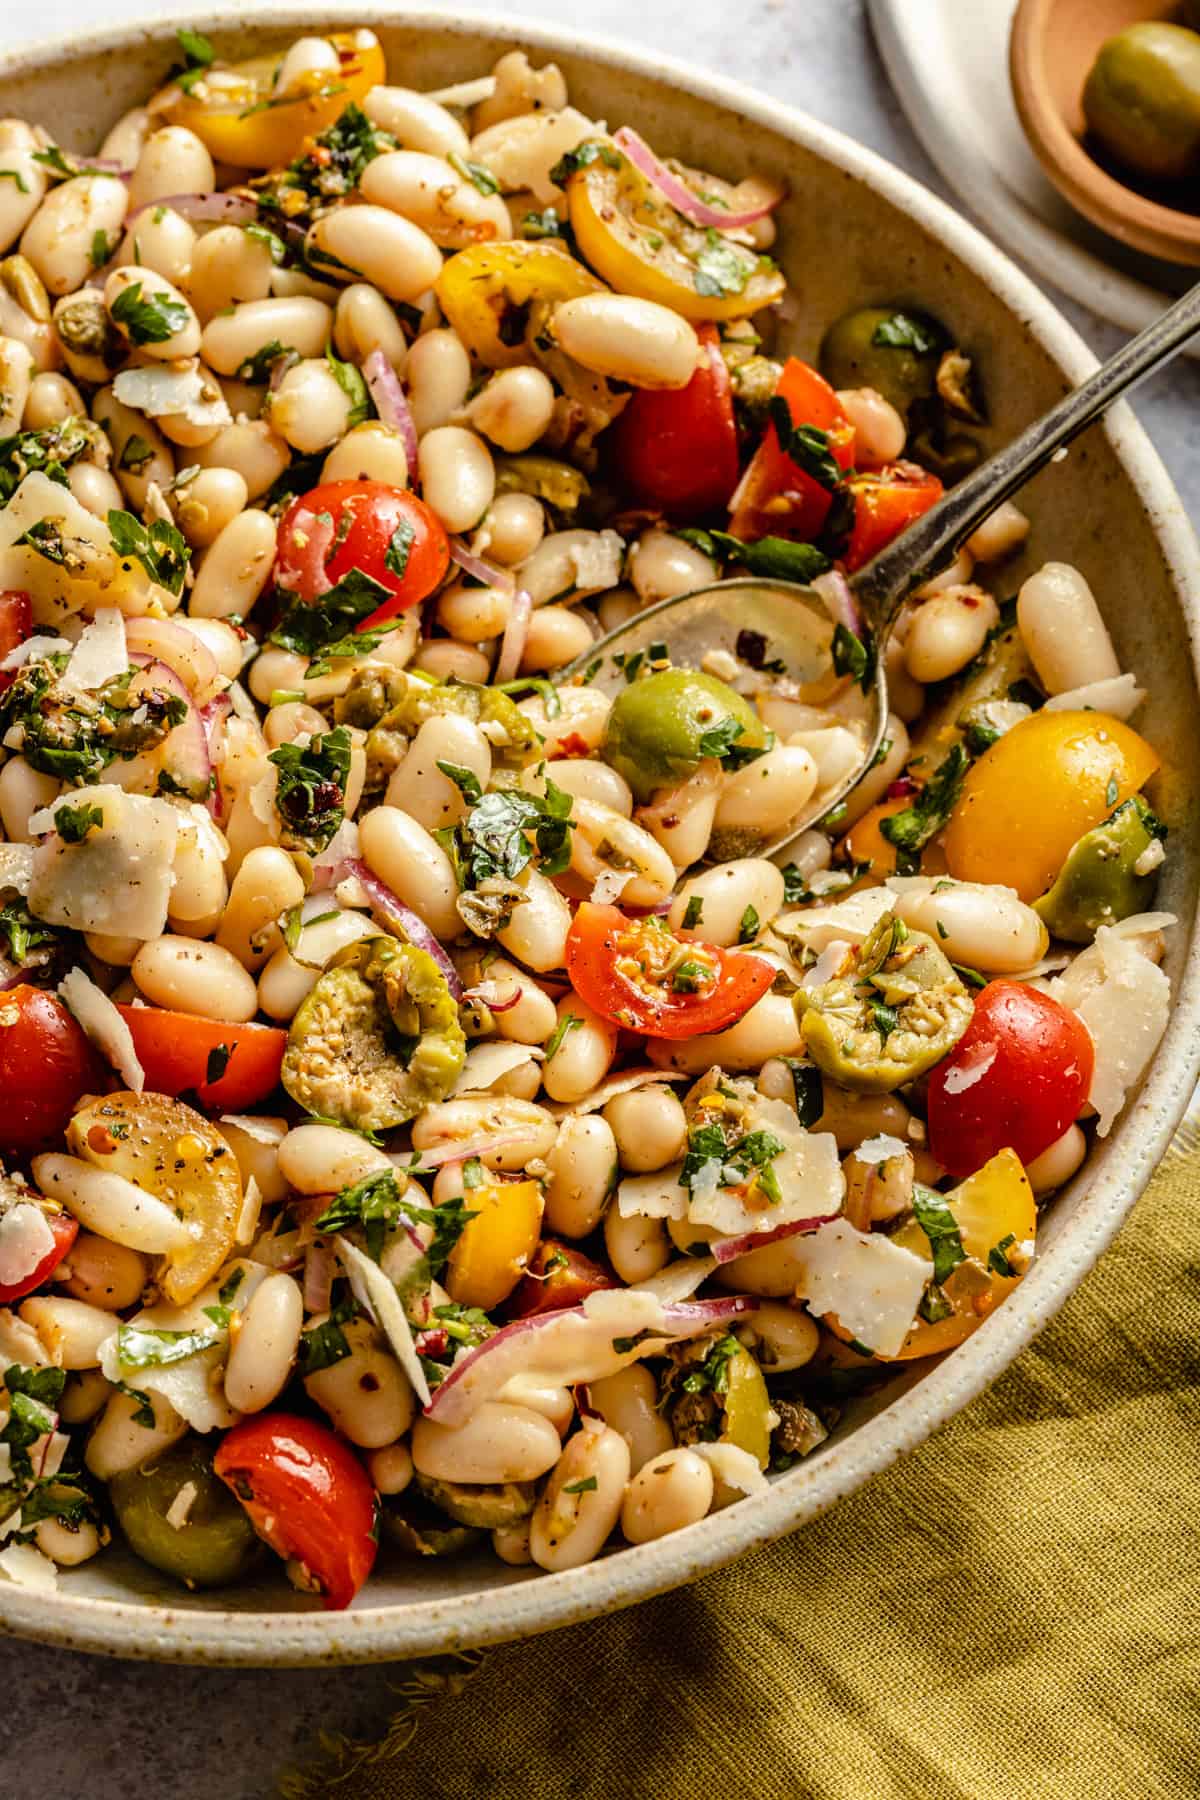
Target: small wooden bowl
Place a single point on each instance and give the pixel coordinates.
(1053, 46)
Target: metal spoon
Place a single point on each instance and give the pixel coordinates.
(795, 621)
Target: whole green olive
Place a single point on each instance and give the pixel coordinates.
(895, 352)
(178, 1517)
(1142, 100)
(662, 728)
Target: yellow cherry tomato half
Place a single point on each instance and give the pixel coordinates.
(631, 235)
(1036, 791)
(235, 112)
(494, 1250)
(496, 296)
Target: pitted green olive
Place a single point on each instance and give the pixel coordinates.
(178, 1517)
(419, 1529)
(1109, 875)
(662, 728)
(1142, 100)
(895, 352)
(483, 1507)
(392, 705)
(555, 483)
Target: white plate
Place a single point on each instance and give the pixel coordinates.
(948, 61)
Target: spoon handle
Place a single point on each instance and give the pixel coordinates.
(933, 540)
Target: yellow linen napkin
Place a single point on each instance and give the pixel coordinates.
(1011, 1613)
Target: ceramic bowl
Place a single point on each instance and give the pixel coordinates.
(854, 230)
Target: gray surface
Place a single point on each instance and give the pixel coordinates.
(82, 1726)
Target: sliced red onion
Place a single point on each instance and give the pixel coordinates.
(729, 1249)
(280, 367)
(227, 209)
(839, 600)
(485, 994)
(392, 912)
(902, 788)
(184, 750)
(432, 1343)
(679, 194)
(512, 644)
(479, 570)
(49, 1439)
(453, 1153)
(391, 403)
(320, 1269)
(182, 651)
(213, 715)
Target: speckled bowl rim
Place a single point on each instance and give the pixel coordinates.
(377, 1633)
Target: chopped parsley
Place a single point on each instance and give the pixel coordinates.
(693, 912)
(853, 655)
(326, 627)
(102, 249)
(723, 742)
(748, 926)
(464, 1324)
(806, 445)
(807, 1090)
(149, 320)
(568, 1023)
(581, 158)
(493, 840)
(23, 932)
(310, 792)
(912, 828)
(464, 779)
(480, 178)
(136, 454)
(259, 367)
(721, 268)
(34, 1395)
(146, 1347)
(907, 331)
(744, 1163)
(997, 1261)
(198, 58)
(74, 735)
(690, 976)
(378, 1204)
(160, 547)
(51, 450)
(73, 823)
(712, 1377)
(587, 1485)
(217, 1063)
(941, 1228)
(774, 558)
(395, 557)
(323, 1345)
(15, 176)
(353, 385)
(272, 242)
(330, 168)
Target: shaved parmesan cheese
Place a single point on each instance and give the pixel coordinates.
(486, 1063)
(612, 1085)
(158, 390)
(610, 884)
(627, 1310)
(521, 152)
(849, 919)
(195, 1387)
(104, 1026)
(465, 93)
(679, 1280)
(342, 846)
(735, 1473)
(101, 652)
(654, 1196)
(118, 880)
(177, 1513)
(32, 649)
(972, 1066)
(827, 965)
(25, 1241)
(372, 1287)
(247, 1224)
(20, 1343)
(873, 1285)
(880, 1149)
(16, 866)
(25, 1566)
(261, 798)
(264, 1131)
(83, 572)
(1120, 696)
(808, 1171)
(1124, 999)
(49, 1460)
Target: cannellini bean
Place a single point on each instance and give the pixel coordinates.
(418, 786)
(667, 1493)
(123, 145)
(529, 1130)
(583, 1172)
(853, 1118)
(446, 660)
(879, 432)
(983, 926)
(286, 982)
(228, 268)
(172, 161)
(774, 1271)
(367, 1395)
(207, 503)
(781, 1337)
(257, 1154)
(94, 488)
(628, 1403)
(232, 339)
(726, 895)
(371, 451)
(594, 781)
(389, 252)
(906, 697)
(627, 339)
(23, 791)
(430, 193)
(416, 121)
(121, 424)
(1055, 1166)
(572, 564)
(662, 565)
(363, 320)
(458, 477)
(253, 448)
(439, 374)
(498, 1443)
(554, 1403)
(185, 975)
(556, 636)
(51, 399)
(321, 1159)
(764, 797)
(120, 1441)
(16, 377)
(532, 1019)
(266, 885)
(161, 240)
(947, 632)
(583, 1054)
(1001, 533)
(768, 1029)
(537, 932)
(85, 1394)
(390, 1468)
(235, 569)
(637, 1248)
(649, 1126)
(109, 1205)
(71, 1330)
(473, 614)
(513, 527)
(199, 891)
(511, 1543)
(603, 841)
(955, 574)
(21, 196)
(1063, 630)
(880, 777)
(59, 238)
(404, 855)
(101, 1273)
(310, 409)
(581, 1502)
(183, 341)
(119, 951)
(836, 751)
(680, 819)
(514, 409)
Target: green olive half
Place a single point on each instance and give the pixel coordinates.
(1100, 881)
(895, 352)
(661, 729)
(1142, 100)
(178, 1517)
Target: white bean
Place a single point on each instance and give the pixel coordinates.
(681, 819)
(59, 239)
(85, 1394)
(948, 632)
(16, 378)
(371, 451)
(235, 569)
(161, 240)
(581, 719)
(24, 187)
(603, 841)
(389, 252)
(65, 1544)
(529, 1131)
(513, 527)
(266, 885)
(322, 1159)
(774, 1271)
(1001, 533)
(781, 1337)
(256, 1158)
(836, 750)
(880, 777)
(1063, 630)
(556, 636)
(726, 895)
(628, 1403)
(94, 488)
(253, 448)
(123, 144)
(418, 786)
(52, 398)
(110, 1205)
(120, 1441)
(390, 1468)
(955, 574)
(649, 1126)
(982, 926)
(627, 339)
(404, 855)
(473, 614)
(511, 1543)
(497, 1443)
(310, 409)
(514, 409)
(71, 1330)
(439, 374)
(232, 339)
(149, 287)
(768, 1029)
(458, 477)
(583, 1054)
(879, 433)
(416, 121)
(637, 1248)
(582, 1175)
(768, 794)
(1056, 1165)
(228, 268)
(286, 983)
(906, 697)
(662, 565)
(537, 932)
(581, 1502)
(367, 1395)
(363, 321)
(532, 1019)
(449, 661)
(184, 975)
(305, 57)
(103, 1274)
(121, 424)
(23, 791)
(173, 161)
(209, 502)
(667, 1493)
(432, 194)
(595, 781)
(199, 890)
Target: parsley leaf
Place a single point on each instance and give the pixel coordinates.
(774, 558)
(581, 158)
(744, 1162)
(323, 624)
(23, 931)
(258, 367)
(217, 1063)
(807, 1090)
(997, 1261)
(806, 445)
(748, 926)
(73, 823)
(15, 175)
(377, 1204)
(492, 840)
(941, 1228)
(275, 246)
(160, 547)
(712, 1377)
(853, 655)
(146, 1347)
(908, 331)
(568, 1023)
(693, 912)
(395, 557)
(465, 780)
(151, 320)
(721, 268)
(321, 1346)
(480, 178)
(587, 1485)
(354, 386)
(199, 55)
(912, 828)
(310, 791)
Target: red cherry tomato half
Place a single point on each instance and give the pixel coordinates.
(1015, 1080)
(640, 975)
(229, 1066)
(886, 501)
(64, 1230)
(46, 1065)
(778, 498)
(675, 449)
(559, 1275)
(16, 624)
(385, 531)
(307, 1496)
